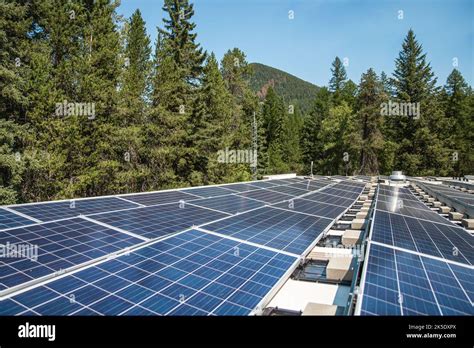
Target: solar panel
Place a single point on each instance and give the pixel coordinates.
(40, 250)
(313, 208)
(263, 184)
(449, 242)
(154, 198)
(211, 191)
(10, 220)
(192, 273)
(50, 211)
(231, 204)
(398, 206)
(160, 220)
(402, 283)
(289, 190)
(240, 187)
(330, 199)
(266, 196)
(340, 193)
(280, 229)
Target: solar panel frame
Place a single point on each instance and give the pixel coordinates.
(59, 245)
(231, 204)
(9, 220)
(179, 291)
(160, 197)
(276, 228)
(56, 210)
(159, 220)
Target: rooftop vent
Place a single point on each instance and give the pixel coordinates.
(397, 176)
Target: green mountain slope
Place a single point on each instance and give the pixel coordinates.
(291, 88)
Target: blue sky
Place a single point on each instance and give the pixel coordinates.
(367, 32)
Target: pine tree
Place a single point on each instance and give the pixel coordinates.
(135, 86)
(274, 116)
(338, 79)
(420, 147)
(178, 73)
(311, 143)
(369, 99)
(457, 111)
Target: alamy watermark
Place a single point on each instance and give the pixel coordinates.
(75, 109)
(27, 251)
(237, 156)
(400, 109)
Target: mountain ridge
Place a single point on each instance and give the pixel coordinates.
(290, 87)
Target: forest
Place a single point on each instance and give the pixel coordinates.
(89, 106)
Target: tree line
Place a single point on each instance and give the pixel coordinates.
(89, 106)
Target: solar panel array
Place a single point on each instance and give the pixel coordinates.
(466, 198)
(418, 262)
(217, 250)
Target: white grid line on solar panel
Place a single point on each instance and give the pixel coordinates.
(157, 221)
(277, 228)
(115, 228)
(351, 188)
(286, 189)
(329, 199)
(309, 186)
(413, 235)
(420, 214)
(312, 208)
(61, 245)
(231, 204)
(339, 193)
(237, 188)
(10, 219)
(264, 184)
(127, 200)
(158, 198)
(431, 286)
(404, 196)
(124, 195)
(207, 192)
(57, 210)
(140, 260)
(407, 202)
(266, 196)
(257, 245)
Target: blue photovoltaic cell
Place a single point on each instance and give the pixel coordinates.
(160, 220)
(262, 184)
(289, 190)
(59, 210)
(399, 206)
(340, 193)
(231, 204)
(9, 220)
(241, 187)
(405, 202)
(211, 276)
(399, 282)
(154, 198)
(276, 228)
(449, 242)
(211, 191)
(266, 196)
(330, 199)
(60, 245)
(313, 208)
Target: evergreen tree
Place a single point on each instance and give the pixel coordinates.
(457, 111)
(338, 79)
(273, 118)
(420, 146)
(369, 98)
(311, 142)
